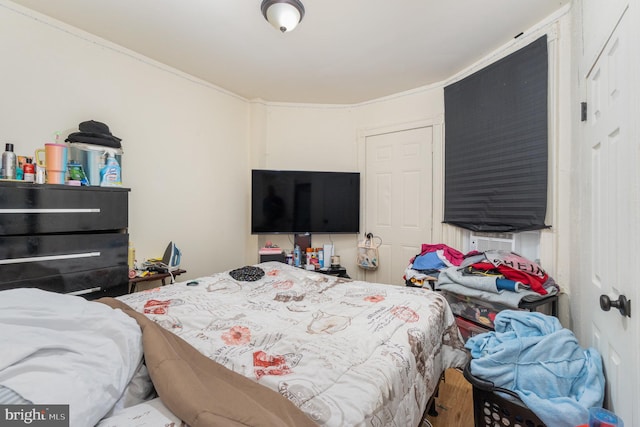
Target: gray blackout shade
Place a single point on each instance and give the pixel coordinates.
(496, 144)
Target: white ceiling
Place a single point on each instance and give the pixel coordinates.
(343, 52)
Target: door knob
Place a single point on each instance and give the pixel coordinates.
(622, 304)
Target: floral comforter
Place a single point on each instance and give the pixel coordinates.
(345, 352)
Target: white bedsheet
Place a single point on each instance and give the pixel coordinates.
(62, 349)
(345, 352)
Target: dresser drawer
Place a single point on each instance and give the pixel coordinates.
(89, 284)
(64, 262)
(39, 209)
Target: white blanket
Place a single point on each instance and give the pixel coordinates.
(62, 349)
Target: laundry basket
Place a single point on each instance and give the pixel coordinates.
(497, 407)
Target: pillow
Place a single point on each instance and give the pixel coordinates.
(10, 397)
(63, 349)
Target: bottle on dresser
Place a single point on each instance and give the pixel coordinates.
(29, 170)
(9, 162)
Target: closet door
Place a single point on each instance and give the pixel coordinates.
(609, 212)
(398, 197)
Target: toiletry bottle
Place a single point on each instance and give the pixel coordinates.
(110, 173)
(39, 159)
(9, 162)
(309, 256)
(29, 170)
(296, 256)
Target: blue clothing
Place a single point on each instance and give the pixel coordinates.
(533, 355)
(428, 261)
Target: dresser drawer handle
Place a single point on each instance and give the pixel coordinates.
(84, 291)
(40, 211)
(48, 258)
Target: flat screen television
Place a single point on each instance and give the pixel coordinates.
(299, 202)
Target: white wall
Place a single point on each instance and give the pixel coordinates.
(185, 141)
(328, 137)
(307, 137)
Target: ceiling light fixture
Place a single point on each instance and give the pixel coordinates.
(284, 15)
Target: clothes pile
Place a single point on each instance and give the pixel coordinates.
(424, 268)
(496, 276)
(93, 132)
(531, 354)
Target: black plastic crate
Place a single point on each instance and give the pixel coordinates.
(492, 407)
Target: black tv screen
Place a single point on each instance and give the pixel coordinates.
(304, 202)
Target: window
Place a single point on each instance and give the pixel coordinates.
(496, 144)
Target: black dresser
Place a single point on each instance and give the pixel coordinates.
(64, 239)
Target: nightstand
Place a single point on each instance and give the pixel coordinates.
(335, 271)
(133, 283)
(272, 257)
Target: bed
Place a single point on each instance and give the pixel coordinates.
(275, 342)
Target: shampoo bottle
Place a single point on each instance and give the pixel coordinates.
(9, 162)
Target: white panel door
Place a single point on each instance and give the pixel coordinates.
(598, 19)
(611, 215)
(398, 206)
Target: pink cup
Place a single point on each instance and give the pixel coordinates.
(55, 159)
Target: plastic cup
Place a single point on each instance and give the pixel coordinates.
(599, 417)
(55, 177)
(55, 158)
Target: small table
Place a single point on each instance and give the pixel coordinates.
(334, 271)
(153, 276)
